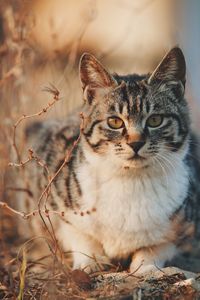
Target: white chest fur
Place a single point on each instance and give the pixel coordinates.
(131, 211)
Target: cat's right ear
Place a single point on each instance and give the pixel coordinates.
(171, 68)
(93, 75)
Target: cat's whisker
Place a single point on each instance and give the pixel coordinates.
(188, 153)
(169, 163)
(162, 168)
(190, 176)
(168, 167)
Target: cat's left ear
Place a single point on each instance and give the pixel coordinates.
(171, 68)
(93, 75)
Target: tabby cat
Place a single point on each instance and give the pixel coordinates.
(130, 188)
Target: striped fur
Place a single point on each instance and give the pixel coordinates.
(119, 201)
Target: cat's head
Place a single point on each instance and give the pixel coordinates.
(134, 120)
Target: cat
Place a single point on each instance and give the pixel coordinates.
(130, 188)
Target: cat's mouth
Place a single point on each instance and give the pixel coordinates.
(137, 161)
(137, 157)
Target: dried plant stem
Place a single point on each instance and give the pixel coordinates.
(53, 90)
(31, 214)
(22, 276)
(46, 191)
(30, 158)
(11, 73)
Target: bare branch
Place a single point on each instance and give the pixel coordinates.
(53, 90)
(29, 159)
(31, 214)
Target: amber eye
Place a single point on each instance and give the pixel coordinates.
(154, 121)
(115, 123)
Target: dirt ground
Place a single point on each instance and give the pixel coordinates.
(48, 278)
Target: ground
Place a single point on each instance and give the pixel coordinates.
(23, 276)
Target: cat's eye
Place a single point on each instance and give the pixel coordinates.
(154, 121)
(115, 122)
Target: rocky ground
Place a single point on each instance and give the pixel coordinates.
(168, 283)
(46, 278)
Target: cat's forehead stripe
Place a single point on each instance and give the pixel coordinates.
(117, 108)
(125, 110)
(125, 101)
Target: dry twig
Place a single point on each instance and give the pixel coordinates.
(53, 90)
(33, 213)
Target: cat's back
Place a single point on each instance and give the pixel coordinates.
(49, 141)
(192, 202)
(51, 138)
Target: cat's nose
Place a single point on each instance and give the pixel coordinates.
(136, 146)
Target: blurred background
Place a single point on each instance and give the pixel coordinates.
(41, 42)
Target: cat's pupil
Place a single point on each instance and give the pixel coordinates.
(154, 121)
(115, 122)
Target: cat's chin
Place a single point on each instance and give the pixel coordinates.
(136, 164)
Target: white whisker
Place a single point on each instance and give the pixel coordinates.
(162, 168)
(167, 162)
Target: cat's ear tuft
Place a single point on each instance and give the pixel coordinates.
(171, 68)
(93, 74)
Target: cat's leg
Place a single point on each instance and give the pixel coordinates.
(150, 259)
(87, 253)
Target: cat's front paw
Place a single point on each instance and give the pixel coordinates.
(143, 269)
(146, 261)
(92, 265)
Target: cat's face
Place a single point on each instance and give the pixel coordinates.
(136, 121)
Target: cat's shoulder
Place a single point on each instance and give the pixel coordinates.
(192, 161)
(193, 155)
(40, 135)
